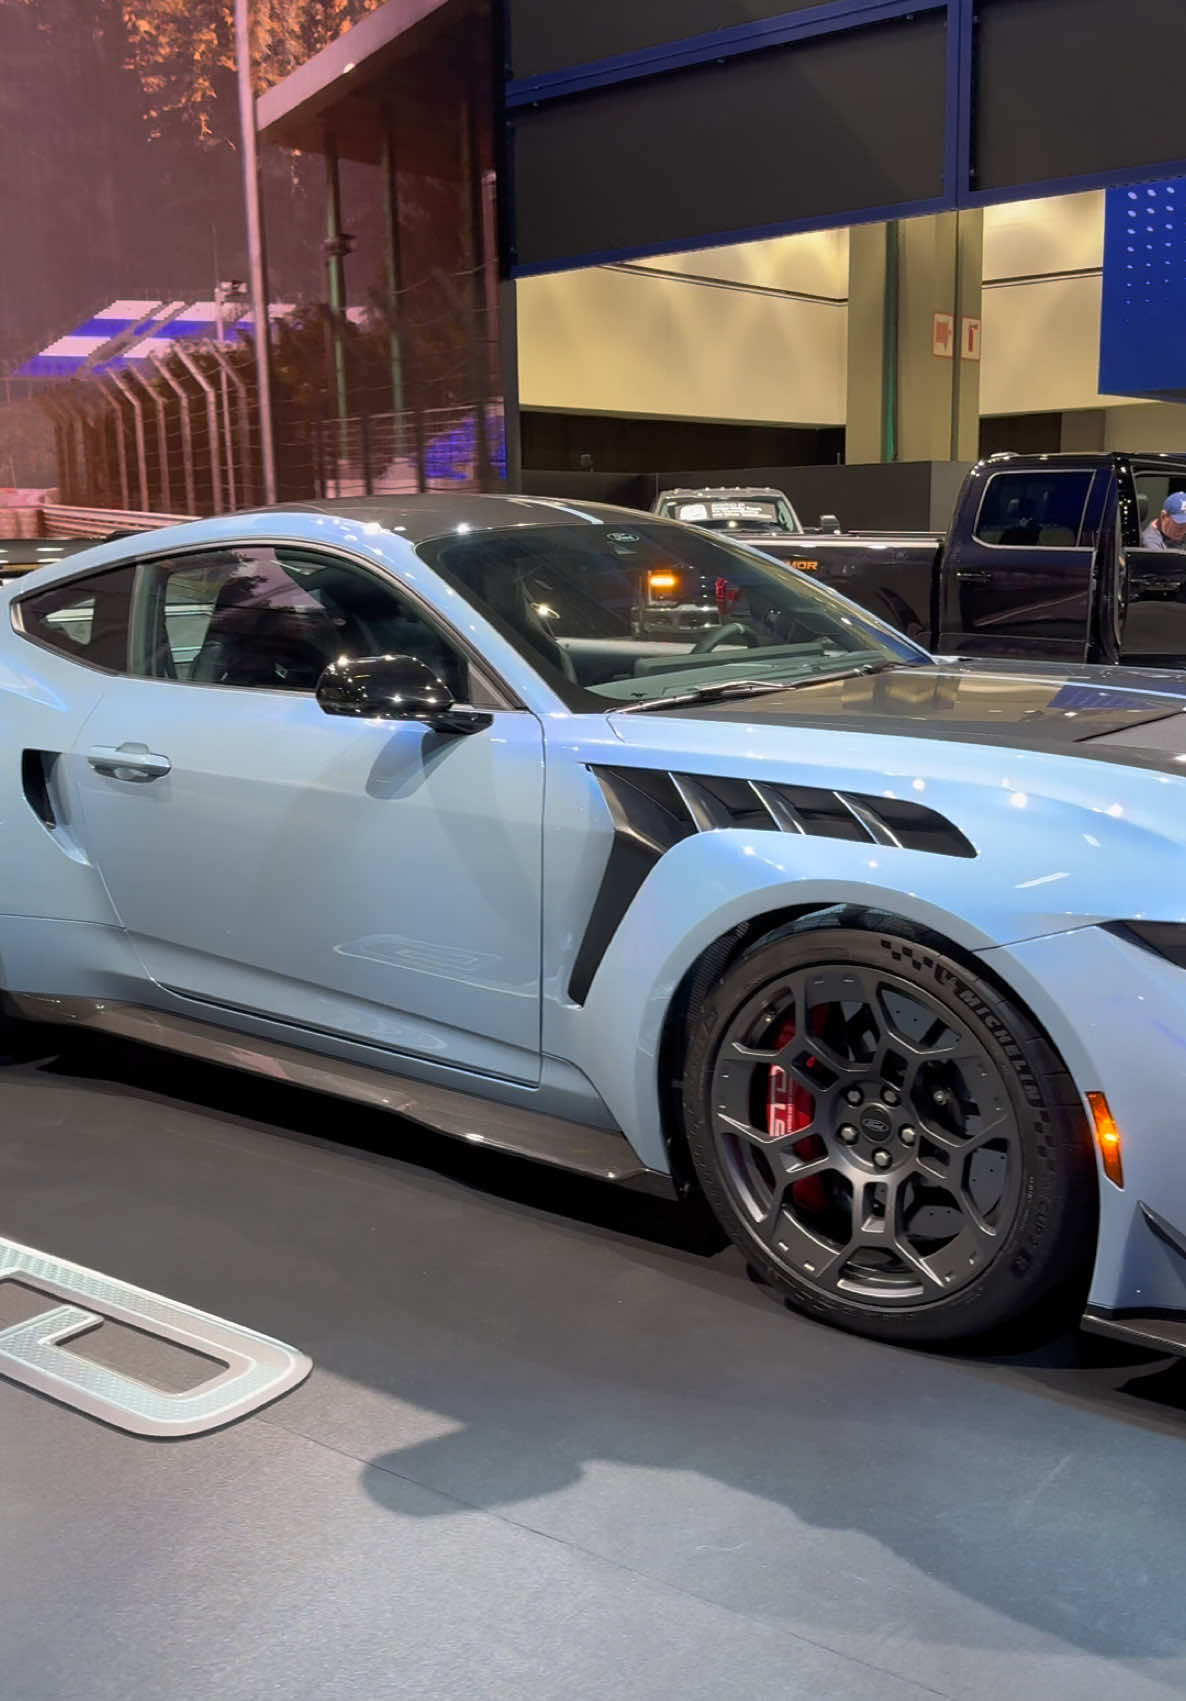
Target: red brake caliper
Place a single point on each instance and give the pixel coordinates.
(790, 1107)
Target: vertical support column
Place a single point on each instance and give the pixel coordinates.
(871, 412)
(207, 389)
(475, 252)
(122, 383)
(912, 394)
(337, 247)
(394, 271)
(187, 436)
(942, 260)
(965, 394)
(121, 447)
(162, 437)
(508, 344)
(256, 249)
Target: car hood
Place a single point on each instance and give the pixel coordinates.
(1105, 714)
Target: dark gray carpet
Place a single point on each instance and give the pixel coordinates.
(555, 1445)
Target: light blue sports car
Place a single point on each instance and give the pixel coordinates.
(592, 836)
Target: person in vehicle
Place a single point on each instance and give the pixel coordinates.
(1168, 530)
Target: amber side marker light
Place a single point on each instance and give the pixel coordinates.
(1108, 1136)
(664, 581)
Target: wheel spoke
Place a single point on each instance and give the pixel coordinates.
(916, 1262)
(963, 1145)
(778, 1146)
(977, 1221)
(800, 1169)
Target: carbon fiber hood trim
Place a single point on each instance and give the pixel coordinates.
(1069, 713)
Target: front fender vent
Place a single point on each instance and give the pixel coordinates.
(713, 804)
(652, 810)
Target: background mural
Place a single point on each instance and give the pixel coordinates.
(122, 226)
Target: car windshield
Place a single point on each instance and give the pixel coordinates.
(736, 514)
(638, 612)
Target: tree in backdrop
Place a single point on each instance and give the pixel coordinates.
(121, 127)
(182, 52)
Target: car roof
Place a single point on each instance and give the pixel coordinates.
(718, 490)
(432, 515)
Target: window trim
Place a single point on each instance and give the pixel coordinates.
(17, 618)
(506, 698)
(1046, 548)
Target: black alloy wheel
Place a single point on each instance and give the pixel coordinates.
(889, 1141)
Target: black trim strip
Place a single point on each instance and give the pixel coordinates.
(1158, 1330)
(1165, 1231)
(649, 816)
(652, 810)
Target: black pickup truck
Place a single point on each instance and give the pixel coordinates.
(1043, 558)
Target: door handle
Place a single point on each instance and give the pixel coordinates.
(974, 576)
(134, 762)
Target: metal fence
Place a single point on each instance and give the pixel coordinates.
(179, 433)
(399, 454)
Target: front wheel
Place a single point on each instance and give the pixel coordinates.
(890, 1142)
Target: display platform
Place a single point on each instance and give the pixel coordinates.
(553, 1444)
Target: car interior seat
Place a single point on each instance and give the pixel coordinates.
(254, 642)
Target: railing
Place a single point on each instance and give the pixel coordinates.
(389, 454)
(60, 521)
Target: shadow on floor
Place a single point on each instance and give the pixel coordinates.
(558, 1326)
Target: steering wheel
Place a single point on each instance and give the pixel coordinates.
(719, 634)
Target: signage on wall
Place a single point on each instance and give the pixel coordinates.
(248, 1370)
(943, 336)
(970, 342)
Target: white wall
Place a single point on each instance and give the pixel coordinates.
(649, 339)
(1145, 425)
(638, 340)
(1042, 328)
(1032, 238)
(815, 263)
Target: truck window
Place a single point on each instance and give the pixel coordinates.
(1152, 489)
(1035, 510)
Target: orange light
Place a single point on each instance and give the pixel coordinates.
(1108, 1136)
(664, 581)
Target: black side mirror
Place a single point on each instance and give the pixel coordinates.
(829, 523)
(395, 688)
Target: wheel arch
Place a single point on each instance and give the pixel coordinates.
(763, 929)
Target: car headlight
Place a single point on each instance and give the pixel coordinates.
(1164, 938)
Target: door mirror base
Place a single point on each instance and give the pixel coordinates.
(460, 721)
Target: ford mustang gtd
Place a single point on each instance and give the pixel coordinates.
(418, 803)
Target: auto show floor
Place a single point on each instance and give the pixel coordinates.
(554, 1444)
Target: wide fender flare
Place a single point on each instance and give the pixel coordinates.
(701, 891)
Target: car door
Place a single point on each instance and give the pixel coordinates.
(372, 880)
(1021, 582)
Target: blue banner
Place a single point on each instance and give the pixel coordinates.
(1143, 325)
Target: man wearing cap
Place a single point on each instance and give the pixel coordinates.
(1168, 530)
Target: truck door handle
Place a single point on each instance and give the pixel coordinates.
(134, 762)
(974, 576)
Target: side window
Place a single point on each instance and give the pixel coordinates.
(275, 619)
(85, 619)
(1038, 510)
(1152, 489)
